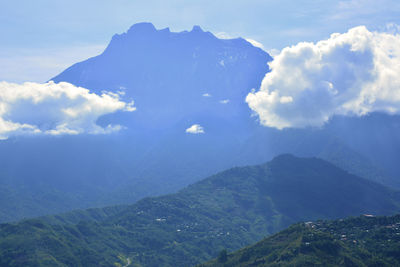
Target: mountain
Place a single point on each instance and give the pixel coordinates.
(360, 241)
(190, 64)
(229, 210)
(177, 79)
(166, 74)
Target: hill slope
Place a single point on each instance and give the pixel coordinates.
(361, 241)
(228, 210)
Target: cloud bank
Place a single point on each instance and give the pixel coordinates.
(354, 73)
(195, 129)
(55, 109)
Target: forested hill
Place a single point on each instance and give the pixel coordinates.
(361, 241)
(229, 210)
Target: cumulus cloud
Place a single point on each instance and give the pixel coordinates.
(206, 95)
(195, 129)
(55, 109)
(354, 73)
(225, 101)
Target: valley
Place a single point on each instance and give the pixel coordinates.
(229, 210)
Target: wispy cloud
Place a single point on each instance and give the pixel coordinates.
(36, 65)
(368, 12)
(255, 43)
(224, 35)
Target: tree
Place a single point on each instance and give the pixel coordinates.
(223, 256)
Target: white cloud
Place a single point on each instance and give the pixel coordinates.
(206, 95)
(225, 101)
(224, 35)
(227, 36)
(354, 73)
(195, 129)
(255, 43)
(55, 109)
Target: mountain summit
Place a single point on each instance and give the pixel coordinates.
(173, 76)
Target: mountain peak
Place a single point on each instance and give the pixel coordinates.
(142, 27)
(197, 28)
(145, 27)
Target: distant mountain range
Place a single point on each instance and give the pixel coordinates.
(177, 80)
(360, 241)
(229, 210)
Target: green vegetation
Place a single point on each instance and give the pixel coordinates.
(361, 241)
(228, 211)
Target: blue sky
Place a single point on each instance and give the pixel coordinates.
(41, 38)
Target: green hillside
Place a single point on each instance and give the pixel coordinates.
(229, 210)
(361, 241)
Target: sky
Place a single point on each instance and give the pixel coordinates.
(41, 38)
